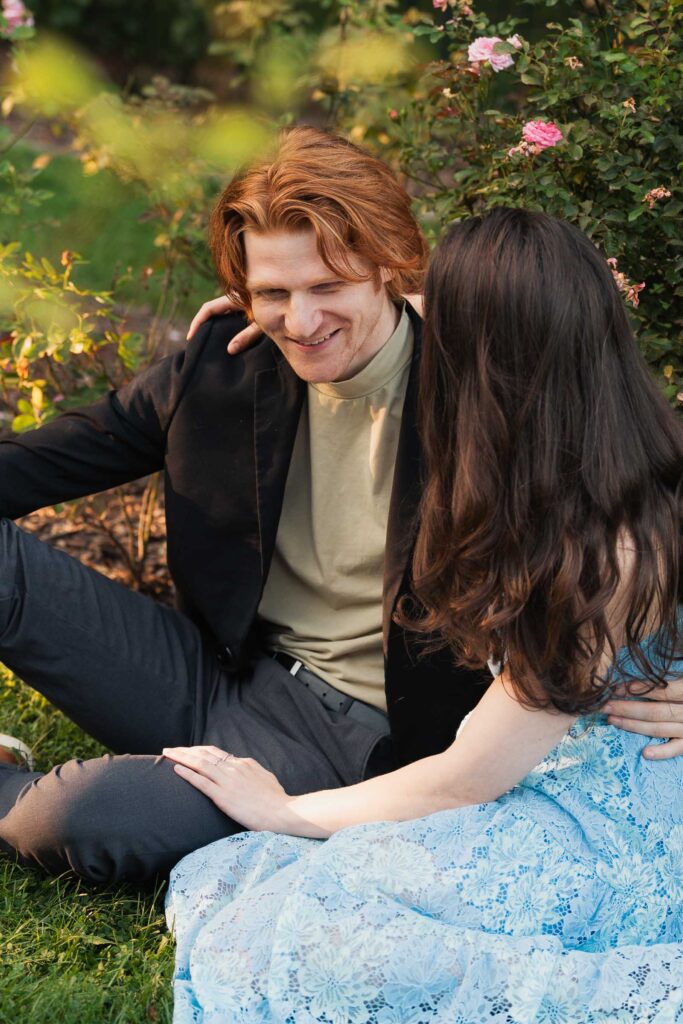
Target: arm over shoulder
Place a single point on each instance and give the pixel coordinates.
(119, 438)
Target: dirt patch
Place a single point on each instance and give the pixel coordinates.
(120, 533)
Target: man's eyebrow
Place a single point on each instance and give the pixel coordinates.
(264, 286)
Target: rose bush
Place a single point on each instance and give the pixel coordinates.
(14, 15)
(598, 101)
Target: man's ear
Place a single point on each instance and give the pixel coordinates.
(385, 275)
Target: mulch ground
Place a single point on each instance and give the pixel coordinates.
(104, 532)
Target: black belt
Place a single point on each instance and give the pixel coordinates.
(333, 699)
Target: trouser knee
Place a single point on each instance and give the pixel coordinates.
(111, 819)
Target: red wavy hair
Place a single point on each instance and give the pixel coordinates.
(322, 181)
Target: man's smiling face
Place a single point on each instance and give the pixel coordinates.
(327, 328)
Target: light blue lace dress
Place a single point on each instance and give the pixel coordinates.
(559, 903)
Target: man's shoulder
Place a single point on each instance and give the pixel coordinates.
(211, 385)
(205, 366)
(210, 343)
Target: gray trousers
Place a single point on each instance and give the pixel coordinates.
(138, 676)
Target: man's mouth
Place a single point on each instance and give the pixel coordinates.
(317, 342)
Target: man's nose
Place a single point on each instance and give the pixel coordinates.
(303, 318)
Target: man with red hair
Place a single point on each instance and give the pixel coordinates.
(292, 482)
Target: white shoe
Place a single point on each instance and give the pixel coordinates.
(23, 755)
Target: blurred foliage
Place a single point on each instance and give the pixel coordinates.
(66, 345)
(397, 78)
(157, 33)
(62, 342)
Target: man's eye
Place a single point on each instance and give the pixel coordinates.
(271, 293)
(331, 287)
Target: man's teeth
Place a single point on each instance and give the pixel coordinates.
(312, 344)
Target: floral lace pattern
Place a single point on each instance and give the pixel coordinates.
(559, 903)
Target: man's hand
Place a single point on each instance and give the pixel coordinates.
(226, 304)
(660, 715)
(239, 786)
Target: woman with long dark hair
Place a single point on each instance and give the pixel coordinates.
(534, 870)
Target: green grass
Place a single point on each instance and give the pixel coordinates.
(71, 953)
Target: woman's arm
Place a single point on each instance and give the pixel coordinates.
(247, 337)
(500, 744)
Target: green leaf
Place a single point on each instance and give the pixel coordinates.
(24, 422)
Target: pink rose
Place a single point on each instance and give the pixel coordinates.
(482, 51)
(440, 5)
(16, 15)
(632, 294)
(542, 134)
(654, 194)
(626, 287)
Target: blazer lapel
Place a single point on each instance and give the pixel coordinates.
(278, 398)
(406, 491)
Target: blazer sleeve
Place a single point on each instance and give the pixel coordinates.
(119, 438)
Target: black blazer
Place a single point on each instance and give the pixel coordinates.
(222, 429)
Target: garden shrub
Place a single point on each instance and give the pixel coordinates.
(583, 123)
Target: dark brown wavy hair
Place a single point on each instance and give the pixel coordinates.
(550, 450)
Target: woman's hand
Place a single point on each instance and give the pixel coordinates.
(417, 302)
(239, 786)
(247, 337)
(216, 307)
